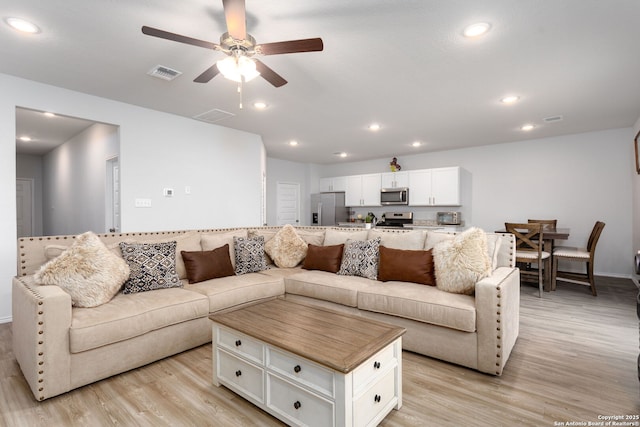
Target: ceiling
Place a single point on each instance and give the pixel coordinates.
(403, 64)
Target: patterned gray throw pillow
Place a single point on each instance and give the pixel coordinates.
(249, 252)
(360, 258)
(152, 265)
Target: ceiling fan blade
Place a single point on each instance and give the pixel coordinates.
(291, 46)
(208, 74)
(235, 15)
(269, 75)
(178, 38)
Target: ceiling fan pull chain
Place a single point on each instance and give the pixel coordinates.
(240, 91)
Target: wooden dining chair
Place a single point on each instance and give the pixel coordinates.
(585, 255)
(547, 224)
(529, 237)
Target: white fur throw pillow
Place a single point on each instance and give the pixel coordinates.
(87, 270)
(462, 261)
(286, 248)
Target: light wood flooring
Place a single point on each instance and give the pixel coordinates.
(575, 360)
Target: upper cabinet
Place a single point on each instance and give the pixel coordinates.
(363, 190)
(395, 179)
(434, 187)
(338, 183)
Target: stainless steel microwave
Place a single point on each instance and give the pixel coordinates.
(394, 196)
(449, 218)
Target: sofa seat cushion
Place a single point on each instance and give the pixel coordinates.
(327, 286)
(226, 292)
(422, 303)
(130, 315)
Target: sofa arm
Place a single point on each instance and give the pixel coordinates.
(498, 318)
(41, 322)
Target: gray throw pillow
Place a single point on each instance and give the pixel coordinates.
(249, 254)
(360, 258)
(152, 265)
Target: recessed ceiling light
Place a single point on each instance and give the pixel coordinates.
(293, 143)
(24, 138)
(527, 127)
(260, 105)
(48, 114)
(416, 144)
(374, 127)
(22, 25)
(510, 99)
(475, 30)
(340, 154)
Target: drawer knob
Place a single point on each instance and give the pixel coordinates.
(238, 373)
(297, 369)
(297, 404)
(238, 343)
(377, 398)
(376, 365)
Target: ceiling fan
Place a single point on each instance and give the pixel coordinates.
(240, 65)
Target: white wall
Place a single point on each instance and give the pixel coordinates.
(577, 179)
(74, 176)
(157, 150)
(291, 172)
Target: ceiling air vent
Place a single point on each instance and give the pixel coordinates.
(164, 73)
(553, 119)
(213, 116)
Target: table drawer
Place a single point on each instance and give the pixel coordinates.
(301, 371)
(240, 374)
(241, 344)
(375, 400)
(373, 367)
(297, 406)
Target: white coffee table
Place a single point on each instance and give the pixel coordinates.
(307, 365)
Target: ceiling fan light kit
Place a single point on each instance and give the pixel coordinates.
(240, 47)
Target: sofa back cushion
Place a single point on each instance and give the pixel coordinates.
(335, 236)
(399, 239)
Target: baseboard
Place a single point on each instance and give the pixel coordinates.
(7, 319)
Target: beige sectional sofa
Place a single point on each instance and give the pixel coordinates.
(60, 347)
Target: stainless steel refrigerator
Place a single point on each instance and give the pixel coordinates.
(328, 209)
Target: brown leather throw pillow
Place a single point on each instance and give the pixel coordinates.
(406, 266)
(205, 265)
(325, 258)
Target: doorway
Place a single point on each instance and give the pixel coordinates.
(24, 207)
(288, 203)
(112, 203)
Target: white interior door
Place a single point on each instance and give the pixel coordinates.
(113, 195)
(24, 206)
(288, 203)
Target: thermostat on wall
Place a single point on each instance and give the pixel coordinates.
(168, 192)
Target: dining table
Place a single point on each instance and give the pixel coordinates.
(549, 236)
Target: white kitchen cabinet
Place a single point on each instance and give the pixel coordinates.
(395, 179)
(434, 187)
(363, 190)
(333, 184)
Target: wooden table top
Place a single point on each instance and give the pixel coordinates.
(550, 234)
(336, 340)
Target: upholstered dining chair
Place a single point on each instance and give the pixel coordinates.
(585, 255)
(529, 237)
